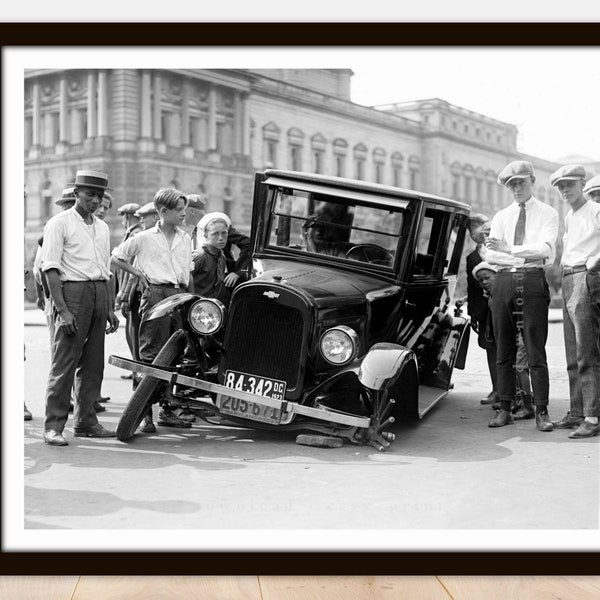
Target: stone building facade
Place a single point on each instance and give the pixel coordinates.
(209, 131)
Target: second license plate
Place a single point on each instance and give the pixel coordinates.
(252, 384)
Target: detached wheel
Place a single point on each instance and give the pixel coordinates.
(150, 389)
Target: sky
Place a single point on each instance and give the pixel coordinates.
(551, 94)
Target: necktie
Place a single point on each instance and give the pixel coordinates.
(194, 235)
(520, 228)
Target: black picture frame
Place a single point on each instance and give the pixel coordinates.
(294, 563)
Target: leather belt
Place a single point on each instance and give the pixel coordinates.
(571, 270)
(520, 269)
(167, 285)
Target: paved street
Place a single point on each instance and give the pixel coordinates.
(448, 471)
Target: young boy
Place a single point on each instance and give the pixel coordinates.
(163, 261)
(209, 260)
(485, 274)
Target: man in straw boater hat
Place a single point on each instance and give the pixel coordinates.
(76, 263)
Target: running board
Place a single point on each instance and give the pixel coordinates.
(428, 398)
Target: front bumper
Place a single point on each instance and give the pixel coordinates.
(173, 377)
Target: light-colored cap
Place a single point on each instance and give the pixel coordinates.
(570, 172)
(593, 185)
(483, 266)
(145, 210)
(518, 169)
(129, 209)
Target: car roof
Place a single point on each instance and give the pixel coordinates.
(341, 183)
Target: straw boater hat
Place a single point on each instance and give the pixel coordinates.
(68, 195)
(91, 179)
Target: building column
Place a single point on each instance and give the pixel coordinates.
(92, 115)
(63, 110)
(37, 115)
(146, 108)
(212, 119)
(157, 112)
(238, 123)
(102, 104)
(185, 114)
(245, 126)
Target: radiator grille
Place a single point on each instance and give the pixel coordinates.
(265, 339)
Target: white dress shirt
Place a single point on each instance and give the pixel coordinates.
(541, 230)
(159, 262)
(581, 240)
(79, 251)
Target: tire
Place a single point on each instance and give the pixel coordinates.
(150, 388)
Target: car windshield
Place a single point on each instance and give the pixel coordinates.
(340, 227)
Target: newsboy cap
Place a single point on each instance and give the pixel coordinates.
(196, 201)
(571, 172)
(518, 169)
(147, 209)
(128, 209)
(68, 195)
(593, 185)
(92, 179)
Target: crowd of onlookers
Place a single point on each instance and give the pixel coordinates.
(82, 283)
(508, 298)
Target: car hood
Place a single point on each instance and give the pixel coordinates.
(323, 285)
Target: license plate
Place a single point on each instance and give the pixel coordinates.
(252, 384)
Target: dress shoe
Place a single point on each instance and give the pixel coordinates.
(568, 422)
(103, 398)
(95, 431)
(129, 376)
(504, 417)
(524, 412)
(496, 405)
(148, 427)
(543, 422)
(98, 407)
(490, 398)
(167, 418)
(185, 414)
(585, 430)
(28, 415)
(54, 438)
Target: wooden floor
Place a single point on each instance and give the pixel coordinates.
(299, 588)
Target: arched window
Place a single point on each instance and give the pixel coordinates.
(271, 137)
(340, 151)
(360, 161)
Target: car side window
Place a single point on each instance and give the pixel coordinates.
(431, 243)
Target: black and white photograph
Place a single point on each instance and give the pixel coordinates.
(304, 299)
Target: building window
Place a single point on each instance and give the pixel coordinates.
(318, 161)
(397, 167)
(455, 186)
(271, 137)
(340, 151)
(296, 158)
(414, 166)
(379, 157)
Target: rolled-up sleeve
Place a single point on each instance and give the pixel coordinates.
(545, 245)
(53, 245)
(127, 250)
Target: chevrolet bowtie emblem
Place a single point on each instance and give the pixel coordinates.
(271, 294)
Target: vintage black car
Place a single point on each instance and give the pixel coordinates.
(345, 323)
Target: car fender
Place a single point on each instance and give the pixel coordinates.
(171, 304)
(383, 364)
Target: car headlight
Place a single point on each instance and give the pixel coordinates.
(207, 316)
(339, 345)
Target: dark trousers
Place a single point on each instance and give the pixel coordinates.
(155, 332)
(132, 325)
(78, 359)
(520, 301)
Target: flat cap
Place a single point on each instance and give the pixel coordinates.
(483, 266)
(571, 172)
(147, 209)
(68, 195)
(196, 201)
(128, 208)
(518, 169)
(593, 185)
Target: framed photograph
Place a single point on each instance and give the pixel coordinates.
(441, 108)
